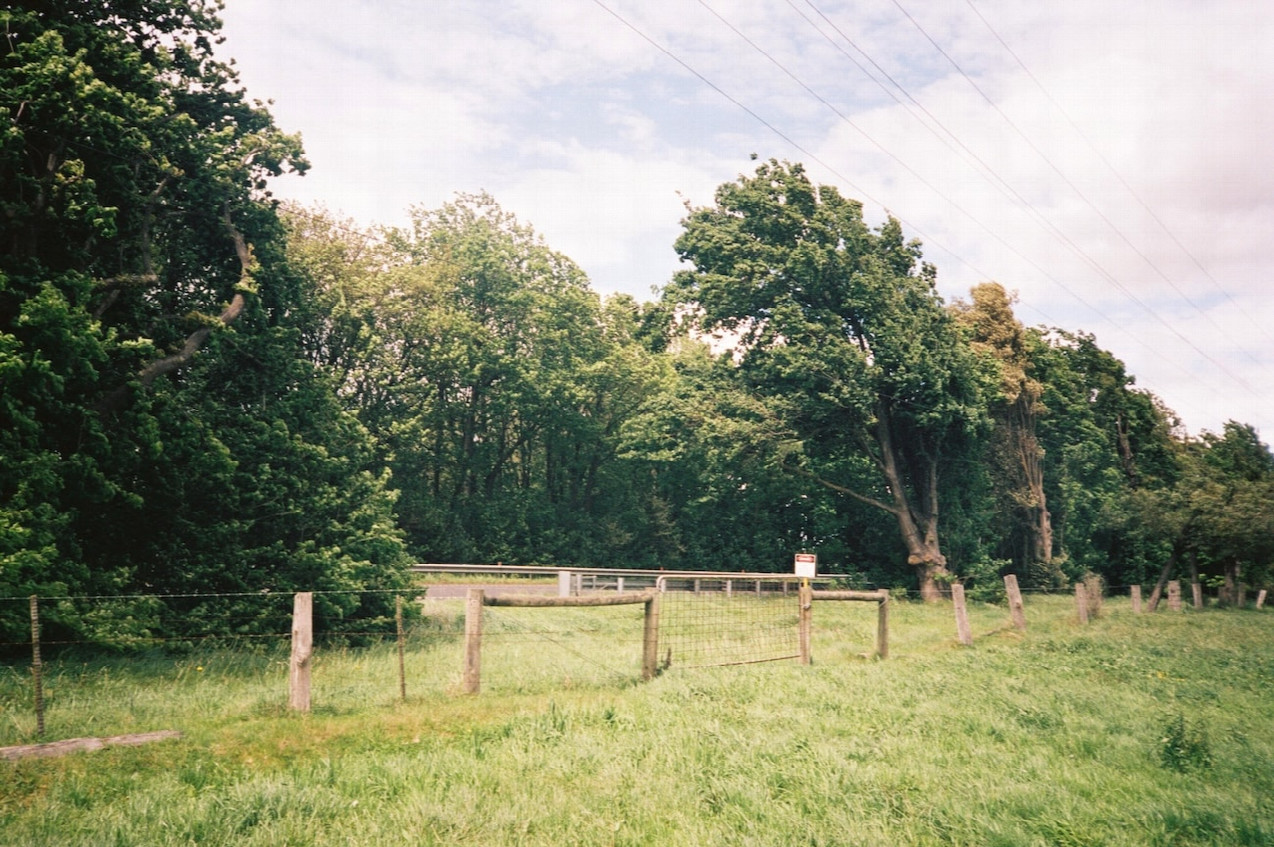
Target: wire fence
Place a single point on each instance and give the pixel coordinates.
(532, 650)
(710, 622)
(116, 665)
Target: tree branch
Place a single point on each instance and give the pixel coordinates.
(862, 498)
(196, 339)
(114, 285)
(228, 315)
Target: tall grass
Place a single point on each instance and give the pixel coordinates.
(1134, 730)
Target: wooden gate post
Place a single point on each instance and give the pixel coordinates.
(1135, 591)
(302, 651)
(650, 639)
(1174, 596)
(1081, 602)
(882, 625)
(472, 682)
(963, 631)
(1015, 602)
(805, 616)
(37, 666)
(402, 665)
(1260, 598)
(1196, 594)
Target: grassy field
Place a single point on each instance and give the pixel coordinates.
(1133, 730)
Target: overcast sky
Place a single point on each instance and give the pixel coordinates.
(1112, 162)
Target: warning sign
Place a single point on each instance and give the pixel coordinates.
(806, 565)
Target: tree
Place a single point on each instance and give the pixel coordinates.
(142, 289)
(1219, 513)
(841, 327)
(494, 380)
(1103, 440)
(1014, 455)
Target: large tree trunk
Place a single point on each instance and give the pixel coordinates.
(919, 525)
(1230, 590)
(1029, 452)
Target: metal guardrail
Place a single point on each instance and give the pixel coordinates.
(572, 581)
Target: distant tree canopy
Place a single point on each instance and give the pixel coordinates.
(202, 392)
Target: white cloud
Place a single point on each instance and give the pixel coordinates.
(587, 132)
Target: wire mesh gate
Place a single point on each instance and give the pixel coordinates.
(710, 622)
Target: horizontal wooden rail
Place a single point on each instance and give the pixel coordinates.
(476, 599)
(544, 601)
(881, 596)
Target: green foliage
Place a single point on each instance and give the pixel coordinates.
(155, 437)
(839, 327)
(984, 580)
(1184, 745)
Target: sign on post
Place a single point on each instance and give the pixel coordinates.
(806, 565)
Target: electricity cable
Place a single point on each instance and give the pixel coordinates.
(903, 164)
(1108, 276)
(1119, 177)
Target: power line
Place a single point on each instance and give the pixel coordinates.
(796, 145)
(1067, 240)
(1111, 168)
(756, 47)
(770, 126)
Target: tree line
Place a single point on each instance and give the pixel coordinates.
(204, 391)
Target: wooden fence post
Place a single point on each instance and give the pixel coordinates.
(1260, 598)
(302, 650)
(1196, 592)
(805, 597)
(402, 665)
(1016, 610)
(963, 631)
(1135, 592)
(882, 625)
(1174, 596)
(650, 639)
(37, 666)
(1081, 602)
(473, 641)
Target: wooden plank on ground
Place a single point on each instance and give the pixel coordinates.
(50, 749)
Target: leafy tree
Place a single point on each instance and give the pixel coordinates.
(1014, 456)
(840, 327)
(494, 380)
(141, 292)
(1218, 516)
(1102, 439)
(704, 448)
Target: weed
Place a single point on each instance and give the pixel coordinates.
(1184, 745)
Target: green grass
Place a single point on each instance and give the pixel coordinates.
(1134, 730)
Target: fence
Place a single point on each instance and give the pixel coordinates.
(116, 675)
(91, 665)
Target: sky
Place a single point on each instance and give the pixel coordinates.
(1111, 162)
